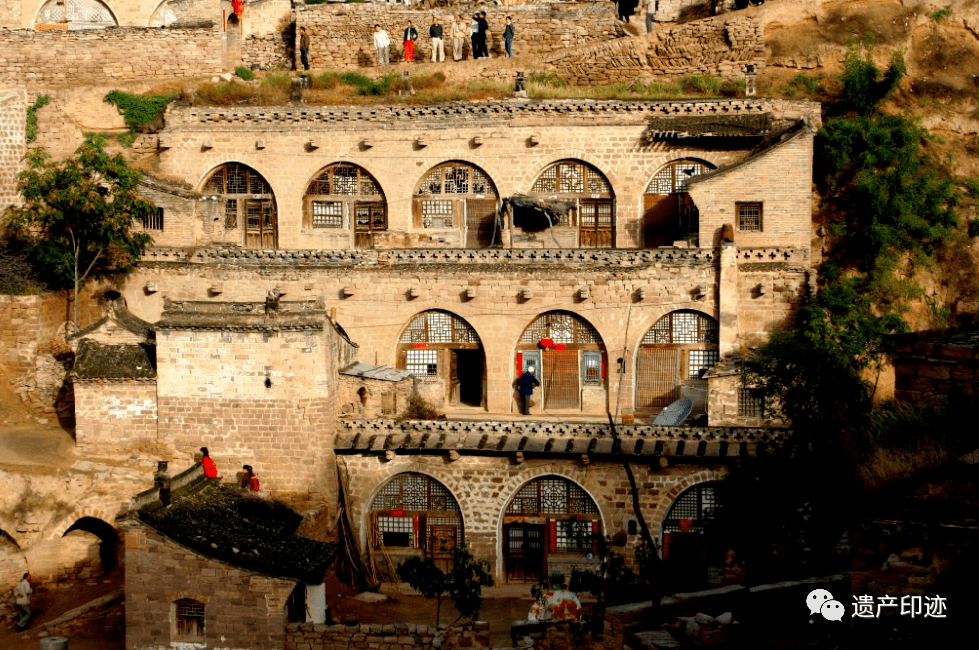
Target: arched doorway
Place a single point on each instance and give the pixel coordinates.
(590, 193)
(74, 14)
(443, 348)
(78, 547)
(249, 205)
(342, 195)
(550, 525)
(672, 358)
(688, 546)
(668, 212)
(458, 195)
(413, 514)
(568, 356)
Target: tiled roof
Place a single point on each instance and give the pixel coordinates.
(97, 361)
(228, 524)
(119, 312)
(368, 371)
(709, 126)
(242, 316)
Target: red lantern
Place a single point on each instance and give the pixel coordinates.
(238, 6)
(547, 343)
(559, 346)
(685, 525)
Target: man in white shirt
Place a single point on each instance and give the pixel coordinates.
(22, 598)
(381, 43)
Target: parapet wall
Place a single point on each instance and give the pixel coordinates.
(341, 34)
(401, 636)
(106, 56)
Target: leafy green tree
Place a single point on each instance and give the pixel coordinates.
(463, 584)
(864, 85)
(77, 218)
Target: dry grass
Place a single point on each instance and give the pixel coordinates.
(887, 467)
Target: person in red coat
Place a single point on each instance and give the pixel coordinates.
(210, 469)
(248, 479)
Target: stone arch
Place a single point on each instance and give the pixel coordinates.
(80, 14)
(569, 360)
(108, 538)
(412, 513)
(687, 546)
(455, 196)
(672, 357)
(249, 203)
(163, 15)
(445, 351)
(550, 523)
(668, 212)
(658, 515)
(345, 196)
(13, 562)
(587, 194)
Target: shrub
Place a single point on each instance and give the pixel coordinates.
(972, 186)
(940, 14)
(547, 79)
(31, 132)
(224, 94)
(419, 409)
(864, 86)
(974, 228)
(704, 84)
(138, 110)
(244, 73)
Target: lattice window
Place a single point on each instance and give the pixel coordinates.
(236, 179)
(457, 180)
(253, 215)
(547, 182)
(700, 361)
(423, 363)
(573, 536)
(695, 508)
(751, 403)
(436, 214)
(439, 327)
(591, 368)
(344, 180)
(749, 217)
(570, 177)
(397, 531)
(683, 326)
(432, 183)
(153, 221)
(327, 214)
(673, 177)
(415, 492)
(189, 620)
(231, 213)
(163, 16)
(552, 495)
(368, 186)
(562, 327)
(481, 183)
(78, 13)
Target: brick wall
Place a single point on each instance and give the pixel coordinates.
(341, 34)
(188, 219)
(722, 47)
(58, 58)
(929, 371)
(115, 418)
(243, 610)
(13, 122)
(381, 398)
(27, 322)
(402, 636)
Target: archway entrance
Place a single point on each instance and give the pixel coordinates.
(688, 547)
(442, 348)
(673, 357)
(458, 195)
(413, 515)
(249, 205)
(551, 525)
(589, 191)
(80, 538)
(668, 212)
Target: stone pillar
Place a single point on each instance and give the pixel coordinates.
(727, 300)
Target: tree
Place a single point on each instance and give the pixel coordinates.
(463, 584)
(77, 218)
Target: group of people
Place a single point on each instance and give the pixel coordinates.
(246, 480)
(478, 30)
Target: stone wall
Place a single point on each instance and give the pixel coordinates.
(931, 370)
(341, 34)
(372, 398)
(555, 635)
(242, 609)
(722, 47)
(13, 122)
(115, 418)
(108, 56)
(402, 636)
(102, 618)
(27, 323)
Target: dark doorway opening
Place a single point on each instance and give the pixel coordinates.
(109, 539)
(524, 552)
(469, 374)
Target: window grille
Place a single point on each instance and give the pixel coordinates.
(683, 326)
(415, 492)
(327, 214)
(344, 180)
(231, 213)
(189, 620)
(397, 531)
(368, 186)
(562, 327)
(547, 182)
(432, 183)
(698, 505)
(438, 327)
(257, 184)
(700, 361)
(436, 214)
(457, 180)
(152, 221)
(422, 362)
(591, 363)
(571, 178)
(481, 182)
(674, 176)
(236, 179)
(573, 536)
(552, 495)
(749, 216)
(751, 403)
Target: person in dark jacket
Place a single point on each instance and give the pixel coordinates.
(411, 35)
(304, 47)
(525, 384)
(508, 37)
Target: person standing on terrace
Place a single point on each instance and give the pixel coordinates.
(411, 35)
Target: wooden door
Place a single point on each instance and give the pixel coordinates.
(260, 224)
(661, 219)
(443, 545)
(524, 552)
(596, 225)
(481, 223)
(560, 381)
(369, 218)
(657, 377)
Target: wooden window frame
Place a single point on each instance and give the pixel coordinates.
(747, 222)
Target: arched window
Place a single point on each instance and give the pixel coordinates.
(443, 347)
(668, 212)
(688, 547)
(591, 196)
(566, 353)
(551, 514)
(458, 195)
(345, 194)
(675, 353)
(164, 16)
(412, 513)
(74, 14)
(249, 205)
(188, 621)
